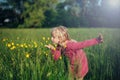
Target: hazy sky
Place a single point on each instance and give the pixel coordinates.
(99, 3)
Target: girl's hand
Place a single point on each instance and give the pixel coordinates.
(50, 46)
(100, 38)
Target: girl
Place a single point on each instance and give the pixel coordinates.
(73, 50)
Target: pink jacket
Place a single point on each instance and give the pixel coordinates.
(74, 51)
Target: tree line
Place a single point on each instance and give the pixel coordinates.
(70, 13)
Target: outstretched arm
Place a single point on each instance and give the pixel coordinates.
(87, 43)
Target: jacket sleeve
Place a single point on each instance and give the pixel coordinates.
(56, 54)
(79, 45)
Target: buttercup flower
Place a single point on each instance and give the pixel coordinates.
(27, 55)
(60, 57)
(8, 45)
(13, 47)
(43, 38)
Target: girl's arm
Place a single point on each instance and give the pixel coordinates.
(55, 52)
(87, 43)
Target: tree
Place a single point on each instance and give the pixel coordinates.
(50, 18)
(34, 12)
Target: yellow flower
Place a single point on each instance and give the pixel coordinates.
(43, 38)
(13, 47)
(35, 44)
(60, 57)
(17, 44)
(12, 43)
(55, 45)
(46, 41)
(29, 45)
(27, 55)
(48, 38)
(21, 45)
(26, 46)
(8, 45)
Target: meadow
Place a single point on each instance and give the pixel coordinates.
(23, 55)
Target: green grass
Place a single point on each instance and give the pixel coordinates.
(24, 57)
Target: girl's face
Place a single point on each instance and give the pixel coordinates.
(55, 39)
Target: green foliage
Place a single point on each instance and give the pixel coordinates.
(34, 12)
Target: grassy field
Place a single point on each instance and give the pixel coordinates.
(24, 57)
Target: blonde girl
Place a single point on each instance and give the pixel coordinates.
(73, 50)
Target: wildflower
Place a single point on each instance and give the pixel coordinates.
(26, 46)
(17, 44)
(46, 41)
(12, 43)
(13, 47)
(35, 44)
(55, 45)
(60, 57)
(21, 45)
(48, 38)
(27, 55)
(43, 38)
(8, 45)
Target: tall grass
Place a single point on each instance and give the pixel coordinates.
(24, 57)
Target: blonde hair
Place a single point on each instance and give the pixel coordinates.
(61, 32)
